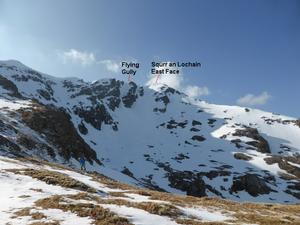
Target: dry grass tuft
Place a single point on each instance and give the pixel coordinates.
(195, 222)
(27, 212)
(151, 207)
(100, 215)
(37, 216)
(118, 194)
(45, 223)
(159, 209)
(21, 213)
(54, 178)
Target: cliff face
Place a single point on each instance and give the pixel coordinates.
(161, 139)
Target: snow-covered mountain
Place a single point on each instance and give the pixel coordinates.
(162, 140)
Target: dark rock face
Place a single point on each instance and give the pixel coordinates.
(196, 122)
(294, 189)
(237, 143)
(193, 129)
(295, 194)
(127, 172)
(46, 92)
(211, 121)
(46, 95)
(250, 183)
(191, 182)
(56, 125)
(172, 124)
(9, 145)
(70, 86)
(198, 138)
(260, 143)
(34, 77)
(94, 115)
(284, 165)
(82, 128)
(28, 143)
(180, 157)
(242, 156)
(97, 91)
(164, 97)
(10, 86)
(131, 96)
(5, 127)
(188, 182)
(215, 173)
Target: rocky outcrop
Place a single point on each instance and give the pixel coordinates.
(45, 94)
(242, 156)
(55, 124)
(260, 143)
(283, 163)
(198, 138)
(250, 183)
(131, 95)
(172, 124)
(163, 97)
(31, 75)
(82, 128)
(211, 121)
(10, 86)
(215, 173)
(28, 143)
(97, 91)
(127, 172)
(196, 122)
(193, 129)
(95, 115)
(4, 127)
(188, 182)
(8, 145)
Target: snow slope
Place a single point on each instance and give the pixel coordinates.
(20, 192)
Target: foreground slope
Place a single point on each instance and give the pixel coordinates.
(160, 139)
(38, 192)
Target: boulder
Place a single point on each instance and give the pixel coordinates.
(187, 181)
(242, 156)
(198, 138)
(250, 183)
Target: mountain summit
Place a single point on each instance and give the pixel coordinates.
(160, 139)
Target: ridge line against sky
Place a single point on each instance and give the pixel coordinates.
(249, 50)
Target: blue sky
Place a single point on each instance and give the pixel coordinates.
(249, 50)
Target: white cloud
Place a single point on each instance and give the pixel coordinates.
(177, 82)
(195, 91)
(111, 65)
(80, 57)
(252, 100)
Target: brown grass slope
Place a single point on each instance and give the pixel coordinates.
(239, 212)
